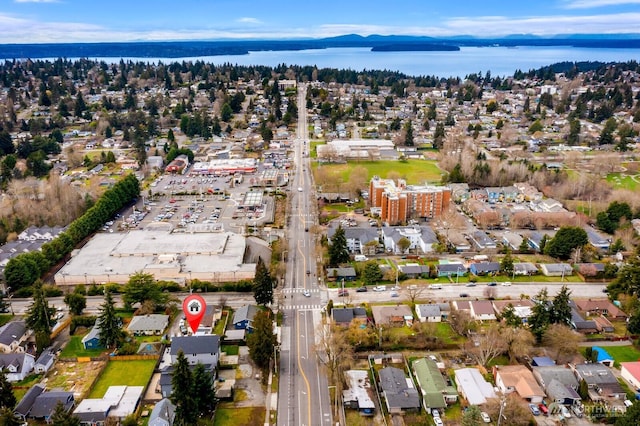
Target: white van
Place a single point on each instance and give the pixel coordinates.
(435, 286)
(360, 258)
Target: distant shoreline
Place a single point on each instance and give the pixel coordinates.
(181, 49)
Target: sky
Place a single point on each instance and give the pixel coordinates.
(70, 21)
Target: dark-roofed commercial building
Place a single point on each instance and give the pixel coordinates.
(398, 391)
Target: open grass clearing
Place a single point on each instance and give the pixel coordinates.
(622, 353)
(75, 349)
(119, 373)
(415, 172)
(227, 414)
(623, 181)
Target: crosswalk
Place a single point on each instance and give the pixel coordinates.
(301, 307)
(299, 290)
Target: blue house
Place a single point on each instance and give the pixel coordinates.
(603, 356)
(92, 338)
(243, 317)
(451, 269)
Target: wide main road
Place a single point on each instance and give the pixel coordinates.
(303, 395)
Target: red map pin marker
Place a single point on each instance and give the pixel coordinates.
(194, 308)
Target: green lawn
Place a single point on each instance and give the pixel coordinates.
(622, 181)
(119, 373)
(230, 349)
(75, 349)
(413, 171)
(251, 416)
(5, 318)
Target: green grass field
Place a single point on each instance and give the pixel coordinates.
(119, 373)
(75, 349)
(228, 415)
(622, 181)
(413, 171)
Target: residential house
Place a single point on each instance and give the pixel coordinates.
(13, 336)
(601, 381)
(23, 408)
(482, 240)
(397, 315)
(429, 312)
(542, 361)
(590, 270)
(44, 362)
(357, 396)
(534, 239)
(461, 305)
(414, 270)
(597, 240)
(344, 316)
(118, 402)
(559, 383)
(556, 269)
(338, 274)
(603, 325)
(517, 378)
(524, 269)
(630, 371)
(472, 386)
(148, 325)
(44, 405)
(398, 392)
(435, 391)
(521, 308)
(579, 323)
(595, 307)
(482, 310)
(204, 349)
(421, 239)
(484, 268)
(163, 413)
(91, 340)
(16, 366)
(451, 269)
(603, 356)
(243, 317)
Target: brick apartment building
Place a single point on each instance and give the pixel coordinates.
(398, 203)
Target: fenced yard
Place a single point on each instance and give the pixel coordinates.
(119, 373)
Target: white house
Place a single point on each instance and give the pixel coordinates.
(429, 312)
(203, 349)
(17, 366)
(163, 414)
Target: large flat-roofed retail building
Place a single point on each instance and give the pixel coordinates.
(180, 256)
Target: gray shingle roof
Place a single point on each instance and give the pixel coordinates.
(398, 394)
(12, 331)
(206, 344)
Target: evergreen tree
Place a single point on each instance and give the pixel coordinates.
(472, 416)
(506, 265)
(560, 312)
(338, 251)
(408, 138)
(510, 318)
(7, 398)
(262, 284)
(40, 317)
(61, 417)
(182, 394)
(76, 302)
(540, 317)
(261, 341)
(203, 390)
(8, 418)
(524, 246)
(109, 323)
(372, 273)
(565, 240)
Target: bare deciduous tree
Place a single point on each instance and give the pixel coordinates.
(562, 340)
(488, 345)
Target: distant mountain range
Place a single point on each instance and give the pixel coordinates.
(180, 49)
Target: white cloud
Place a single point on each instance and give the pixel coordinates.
(588, 4)
(248, 20)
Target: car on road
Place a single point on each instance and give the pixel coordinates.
(464, 295)
(492, 284)
(362, 289)
(394, 294)
(306, 293)
(342, 293)
(308, 272)
(471, 284)
(485, 417)
(380, 288)
(534, 409)
(435, 286)
(299, 189)
(506, 283)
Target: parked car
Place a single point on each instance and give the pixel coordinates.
(485, 417)
(506, 283)
(380, 288)
(362, 289)
(565, 412)
(435, 286)
(492, 284)
(464, 294)
(534, 409)
(394, 294)
(543, 409)
(342, 293)
(471, 284)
